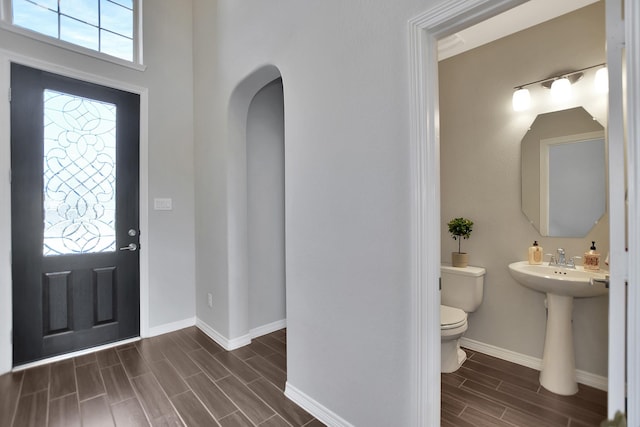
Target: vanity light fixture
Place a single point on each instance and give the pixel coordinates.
(521, 99)
(601, 81)
(559, 85)
(561, 89)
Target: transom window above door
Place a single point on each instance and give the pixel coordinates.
(109, 27)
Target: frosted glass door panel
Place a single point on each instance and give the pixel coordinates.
(79, 175)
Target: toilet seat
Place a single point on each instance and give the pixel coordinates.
(451, 317)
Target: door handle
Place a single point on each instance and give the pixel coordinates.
(131, 247)
(605, 281)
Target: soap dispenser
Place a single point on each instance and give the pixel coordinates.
(535, 254)
(592, 259)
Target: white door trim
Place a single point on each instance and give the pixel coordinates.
(6, 309)
(632, 52)
(424, 31)
(617, 226)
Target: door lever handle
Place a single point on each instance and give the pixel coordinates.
(605, 281)
(131, 247)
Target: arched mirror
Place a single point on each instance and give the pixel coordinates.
(564, 176)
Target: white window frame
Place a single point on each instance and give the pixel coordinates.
(137, 63)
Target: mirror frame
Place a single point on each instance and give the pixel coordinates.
(555, 128)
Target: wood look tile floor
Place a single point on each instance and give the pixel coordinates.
(177, 379)
(487, 391)
(185, 378)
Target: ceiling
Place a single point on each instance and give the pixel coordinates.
(519, 18)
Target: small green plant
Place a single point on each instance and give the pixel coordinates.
(460, 228)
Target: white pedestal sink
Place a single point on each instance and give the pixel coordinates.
(561, 285)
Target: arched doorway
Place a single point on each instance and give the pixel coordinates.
(256, 130)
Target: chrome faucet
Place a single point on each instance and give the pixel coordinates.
(552, 259)
(572, 261)
(562, 260)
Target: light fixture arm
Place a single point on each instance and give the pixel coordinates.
(547, 81)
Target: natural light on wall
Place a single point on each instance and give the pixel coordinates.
(105, 26)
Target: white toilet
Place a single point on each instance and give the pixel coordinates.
(461, 294)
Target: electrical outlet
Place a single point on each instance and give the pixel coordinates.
(210, 299)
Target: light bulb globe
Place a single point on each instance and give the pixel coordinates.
(601, 81)
(521, 99)
(561, 89)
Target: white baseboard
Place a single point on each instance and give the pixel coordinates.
(170, 327)
(320, 412)
(583, 377)
(224, 342)
(234, 343)
(268, 328)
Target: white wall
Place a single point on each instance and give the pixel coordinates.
(169, 80)
(344, 66)
(169, 76)
(265, 206)
(480, 158)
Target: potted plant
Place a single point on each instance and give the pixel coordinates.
(460, 228)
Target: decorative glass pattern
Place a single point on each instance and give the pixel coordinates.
(79, 175)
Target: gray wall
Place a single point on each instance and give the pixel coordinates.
(347, 161)
(480, 164)
(265, 206)
(344, 68)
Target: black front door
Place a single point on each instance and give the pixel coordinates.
(74, 214)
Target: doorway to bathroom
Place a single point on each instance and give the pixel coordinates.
(426, 30)
(512, 188)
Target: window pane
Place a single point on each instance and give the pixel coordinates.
(82, 10)
(79, 175)
(49, 4)
(81, 22)
(36, 18)
(116, 45)
(125, 3)
(78, 33)
(116, 19)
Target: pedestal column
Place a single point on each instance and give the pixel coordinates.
(558, 373)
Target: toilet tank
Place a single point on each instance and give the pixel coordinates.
(462, 287)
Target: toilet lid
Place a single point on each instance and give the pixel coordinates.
(451, 317)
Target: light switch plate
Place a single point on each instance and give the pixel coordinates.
(162, 204)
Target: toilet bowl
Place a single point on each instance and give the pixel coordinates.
(453, 323)
(462, 290)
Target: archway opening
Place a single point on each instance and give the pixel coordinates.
(265, 210)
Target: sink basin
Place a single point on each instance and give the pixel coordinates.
(557, 280)
(561, 286)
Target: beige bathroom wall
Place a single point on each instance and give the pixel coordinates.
(480, 175)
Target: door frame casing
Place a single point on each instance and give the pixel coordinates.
(632, 56)
(6, 309)
(424, 31)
